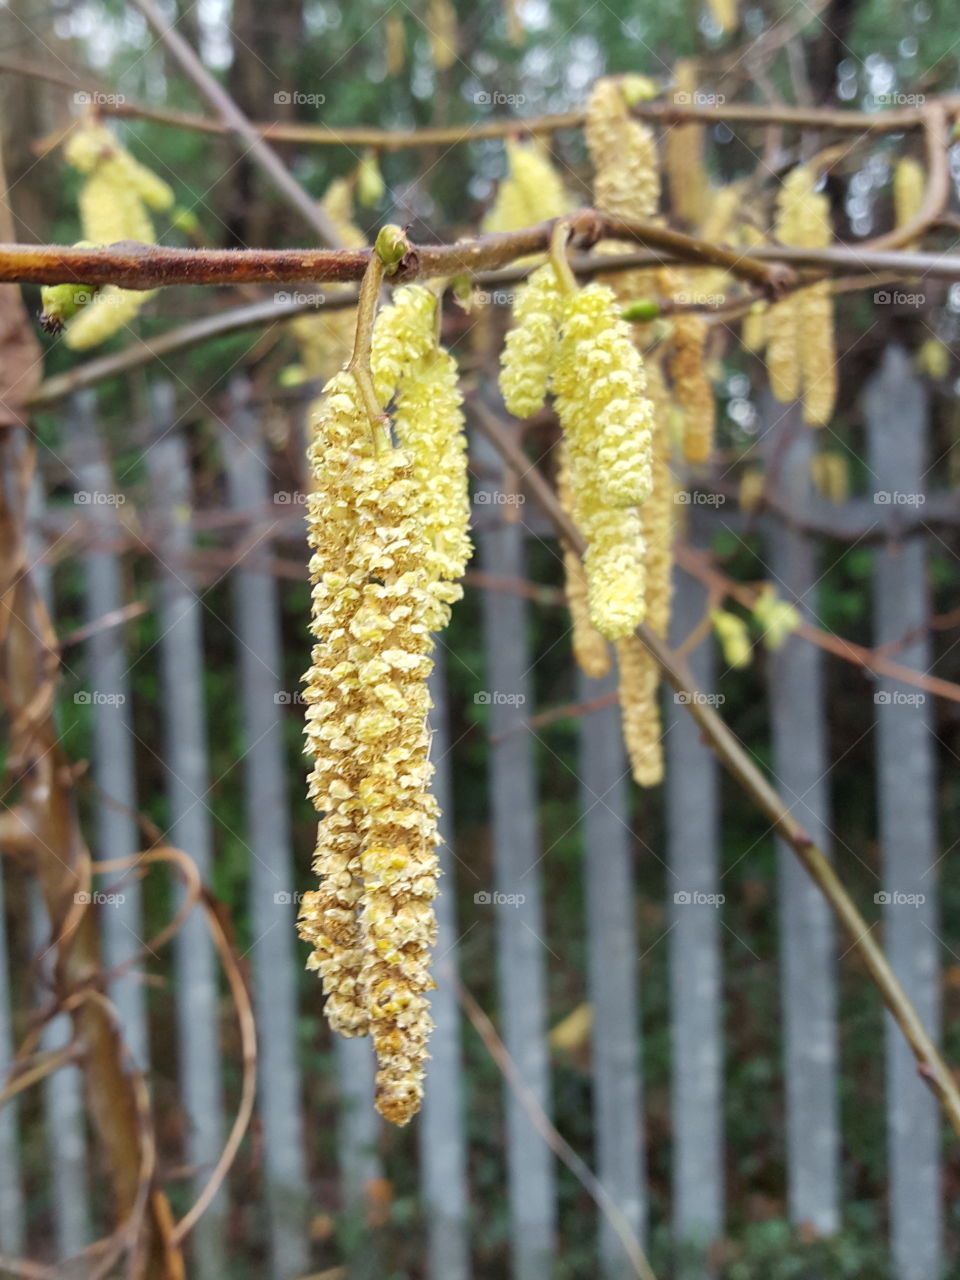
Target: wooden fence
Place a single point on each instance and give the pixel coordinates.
(115, 530)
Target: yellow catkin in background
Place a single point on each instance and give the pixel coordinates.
(753, 483)
(531, 191)
(113, 206)
(801, 349)
(325, 339)
(933, 358)
(626, 179)
(731, 631)
(687, 368)
(776, 618)
(724, 14)
(530, 349)
(590, 649)
(683, 143)
(623, 152)
(441, 26)
(396, 44)
(639, 673)
(831, 476)
(909, 184)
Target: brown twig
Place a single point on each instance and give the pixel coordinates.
(554, 1140)
(662, 112)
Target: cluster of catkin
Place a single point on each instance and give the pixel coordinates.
(387, 524)
(115, 199)
(614, 479)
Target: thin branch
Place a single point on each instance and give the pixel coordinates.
(665, 113)
(555, 1141)
(930, 1064)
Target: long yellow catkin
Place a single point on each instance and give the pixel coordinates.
(599, 384)
(531, 192)
(113, 200)
(624, 155)
(639, 673)
(626, 179)
(530, 350)
(801, 352)
(590, 649)
(686, 173)
(687, 366)
(388, 530)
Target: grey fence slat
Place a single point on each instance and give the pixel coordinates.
(66, 1139)
(185, 758)
(897, 416)
(693, 853)
(12, 1205)
(276, 960)
(359, 1126)
(521, 950)
(802, 768)
(116, 833)
(612, 974)
(443, 1154)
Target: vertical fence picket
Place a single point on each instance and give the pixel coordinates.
(275, 966)
(897, 415)
(443, 1155)
(185, 759)
(612, 977)
(115, 830)
(802, 771)
(521, 949)
(693, 852)
(66, 1141)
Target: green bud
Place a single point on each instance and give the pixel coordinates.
(641, 309)
(391, 246)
